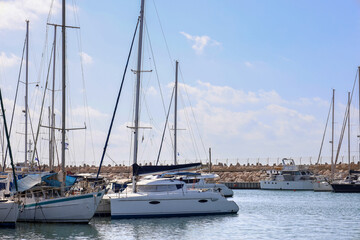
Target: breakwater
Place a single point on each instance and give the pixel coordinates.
(227, 173)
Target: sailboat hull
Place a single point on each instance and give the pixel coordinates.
(346, 188)
(72, 209)
(192, 203)
(9, 211)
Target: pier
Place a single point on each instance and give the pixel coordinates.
(242, 185)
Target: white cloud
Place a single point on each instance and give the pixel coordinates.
(93, 113)
(8, 61)
(254, 123)
(13, 13)
(151, 91)
(200, 42)
(227, 95)
(86, 59)
(249, 64)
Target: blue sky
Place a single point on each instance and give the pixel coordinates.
(259, 74)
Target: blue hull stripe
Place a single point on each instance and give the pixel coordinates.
(61, 200)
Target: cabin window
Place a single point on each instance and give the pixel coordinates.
(154, 202)
(203, 201)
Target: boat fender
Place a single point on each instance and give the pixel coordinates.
(22, 206)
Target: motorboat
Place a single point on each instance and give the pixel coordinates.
(291, 177)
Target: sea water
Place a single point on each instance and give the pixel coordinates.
(263, 215)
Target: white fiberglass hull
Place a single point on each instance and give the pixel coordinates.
(9, 211)
(224, 190)
(167, 204)
(287, 185)
(322, 186)
(76, 209)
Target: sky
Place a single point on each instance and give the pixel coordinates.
(256, 77)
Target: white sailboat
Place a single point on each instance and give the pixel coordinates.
(9, 209)
(162, 197)
(50, 204)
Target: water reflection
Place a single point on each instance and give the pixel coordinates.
(159, 228)
(50, 231)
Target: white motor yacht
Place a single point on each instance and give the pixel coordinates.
(291, 177)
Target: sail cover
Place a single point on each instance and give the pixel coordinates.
(144, 170)
(29, 181)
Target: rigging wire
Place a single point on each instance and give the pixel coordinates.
(192, 135)
(79, 38)
(345, 121)
(166, 123)
(163, 34)
(158, 82)
(42, 106)
(322, 141)
(193, 114)
(14, 106)
(117, 100)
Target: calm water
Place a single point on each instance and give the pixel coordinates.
(262, 215)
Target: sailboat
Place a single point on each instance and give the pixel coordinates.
(9, 207)
(321, 183)
(161, 197)
(54, 204)
(351, 184)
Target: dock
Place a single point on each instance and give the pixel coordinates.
(242, 185)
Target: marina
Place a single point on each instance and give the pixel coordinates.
(154, 120)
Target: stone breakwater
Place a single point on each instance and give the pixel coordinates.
(232, 173)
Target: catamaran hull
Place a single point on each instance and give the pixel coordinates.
(73, 209)
(9, 211)
(303, 185)
(171, 205)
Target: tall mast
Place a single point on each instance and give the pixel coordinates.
(359, 113)
(332, 136)
(137, 99)
(63, 112)
(349, 100)
(52, 118)
(26, 91)
(175, 113)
